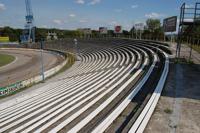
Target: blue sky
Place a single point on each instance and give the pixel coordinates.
(73, 14)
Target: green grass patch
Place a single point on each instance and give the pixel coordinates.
(6, 59)
(168, 111)
(183, 61)
(196, 48)
(71, 61)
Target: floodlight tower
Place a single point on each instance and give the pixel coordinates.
(29, 27)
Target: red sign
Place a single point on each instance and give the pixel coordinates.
(118, 29)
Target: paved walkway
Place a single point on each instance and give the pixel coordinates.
(185, 53)
(178, 110)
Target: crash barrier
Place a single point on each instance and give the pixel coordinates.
(23, 84)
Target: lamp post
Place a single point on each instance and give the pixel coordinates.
(41, 55)
(76, 48)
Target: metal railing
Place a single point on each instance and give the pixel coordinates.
(189, 13)
(189, 17)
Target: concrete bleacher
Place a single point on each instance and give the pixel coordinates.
(105, 71)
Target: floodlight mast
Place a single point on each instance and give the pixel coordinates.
(29, 22)
(28, 8)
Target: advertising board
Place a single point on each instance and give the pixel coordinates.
(169, 24)
(103, 30)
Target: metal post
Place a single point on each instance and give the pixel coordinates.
(76, 48)
(190, 56)
(192, 39)
(164, 37)
(132, 33)
(171, 38)
(42, 63)
(136, 34)
(180, 31)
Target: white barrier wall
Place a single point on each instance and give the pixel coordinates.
(19, 85)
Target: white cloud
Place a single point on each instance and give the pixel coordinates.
(44, 26)
(2, 7)
(58, 22)
(80, 1)
(113, 23)
(134, 6)
(91, 2)
(72, 15)
(118, 10)
(83, 21)
(154, 15)
(94, 2)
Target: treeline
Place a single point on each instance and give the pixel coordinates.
(152, 31)
(13, 34)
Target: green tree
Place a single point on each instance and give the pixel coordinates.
(154, 30)
(153, 24)
(13, 34)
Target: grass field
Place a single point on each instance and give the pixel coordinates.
(197, 48)
(6, 59)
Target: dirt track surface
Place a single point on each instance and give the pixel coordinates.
(26, 65)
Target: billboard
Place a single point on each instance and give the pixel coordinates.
(139, 26)
(118, 29)
(169, 24)
(4, 39)
(11, 88)
(87, 31)
(103, 30)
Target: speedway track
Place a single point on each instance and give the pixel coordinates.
(26, 65)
